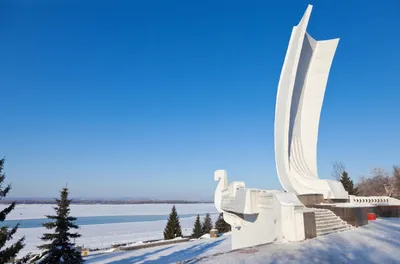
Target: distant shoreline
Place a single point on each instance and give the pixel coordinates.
(105, 201)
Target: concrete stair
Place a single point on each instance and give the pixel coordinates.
(327, 222)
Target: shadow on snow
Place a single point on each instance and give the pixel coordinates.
(180, 255)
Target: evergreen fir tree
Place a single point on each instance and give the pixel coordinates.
(348, 184)
(207, 224)
(173, 227)
(221, 225)
(26, 259)
(61, 249)
(6, 234)
(197, 229)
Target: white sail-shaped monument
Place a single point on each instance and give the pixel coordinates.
(299, 100)
(309, 206)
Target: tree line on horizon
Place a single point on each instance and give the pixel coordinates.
(379, 183)
(98, 201)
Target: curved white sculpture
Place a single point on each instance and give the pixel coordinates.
(265, 216)
(299, 100)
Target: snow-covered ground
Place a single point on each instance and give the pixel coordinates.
(166, 254)
(378, 242)
(104, 235)
(101, 236)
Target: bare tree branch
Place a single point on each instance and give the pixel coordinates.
(379, 172)
(396, 181)
(338, 169)
(379, 184)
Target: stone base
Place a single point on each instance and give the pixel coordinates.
(310, 227)
(387, 211)
(309, 200)
(355, 216)
(336, 201)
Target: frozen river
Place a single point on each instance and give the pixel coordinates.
(95, 220)
(103, 225)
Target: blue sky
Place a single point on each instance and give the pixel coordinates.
(148, 98)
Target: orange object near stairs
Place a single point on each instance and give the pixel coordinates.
(371, 216)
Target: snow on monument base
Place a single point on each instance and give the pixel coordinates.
(259, 216)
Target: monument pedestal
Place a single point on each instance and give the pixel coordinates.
(309, 200)
(386, 211)
(354, 215)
